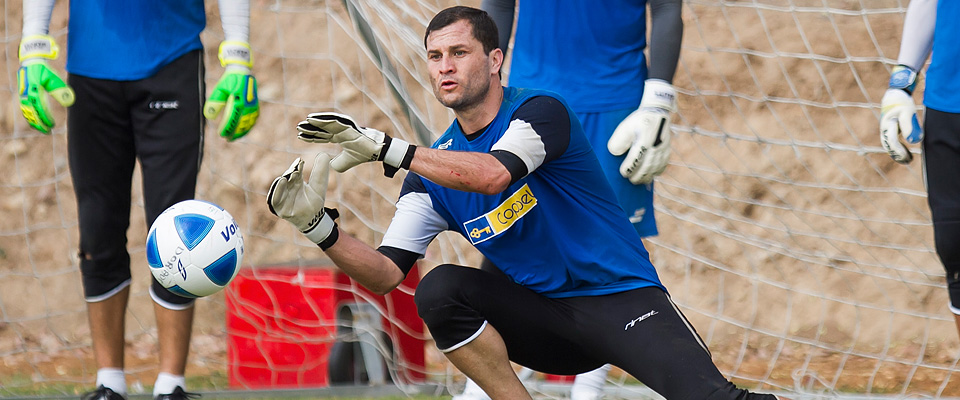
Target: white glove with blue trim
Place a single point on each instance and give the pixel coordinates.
(898, 115)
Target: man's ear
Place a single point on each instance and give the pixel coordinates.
(496, 61)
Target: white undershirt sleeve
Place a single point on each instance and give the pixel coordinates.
(523, 141)
(235, 20)
(36, 17)
(414, 225)
(917, 40)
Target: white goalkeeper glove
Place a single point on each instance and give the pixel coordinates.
(645, 134)
(898, 115)
(301, 203)
(359, 144)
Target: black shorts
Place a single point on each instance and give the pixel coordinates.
(640, 331)
(941, 161)
(158, 121)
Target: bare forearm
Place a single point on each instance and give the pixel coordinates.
(460, 170)
(364, 264)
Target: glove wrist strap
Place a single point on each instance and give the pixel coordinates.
(904, 78)
(323, 230)
(397, 154)
(658, 93)
(235, 53)
(330, 240)
(38, 46)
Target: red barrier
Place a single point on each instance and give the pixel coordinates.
(281, 325)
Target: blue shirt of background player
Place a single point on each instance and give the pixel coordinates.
(123, 40)
(579, 63)
(942, 91)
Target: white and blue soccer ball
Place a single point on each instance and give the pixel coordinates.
(194, 248)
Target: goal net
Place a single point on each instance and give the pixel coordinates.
(801, 253)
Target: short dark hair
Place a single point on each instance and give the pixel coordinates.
(484, 28)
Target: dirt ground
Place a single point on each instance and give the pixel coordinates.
(800, 252)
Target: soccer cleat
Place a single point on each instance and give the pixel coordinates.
(102, 393)
(178, 394)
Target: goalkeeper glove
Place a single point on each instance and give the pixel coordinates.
(645, 134)
(236, 91)
(898, 115)
(359, 144)
(35, 80)
(301, 203)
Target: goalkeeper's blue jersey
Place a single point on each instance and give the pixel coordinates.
(588, 51)
(557, 230)
(126, 40)
(942, 91)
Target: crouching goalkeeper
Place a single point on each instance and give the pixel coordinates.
(516, 176)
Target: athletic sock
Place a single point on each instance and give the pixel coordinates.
(113, 379)
(167, 382)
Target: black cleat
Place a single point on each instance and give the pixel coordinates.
(102, 393)
(178, 394)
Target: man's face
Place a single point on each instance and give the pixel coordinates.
(459, 68)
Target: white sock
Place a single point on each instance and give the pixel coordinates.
(472, 391)
(113, 379)
(589, 385)
(167, 382)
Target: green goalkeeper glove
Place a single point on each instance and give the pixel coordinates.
(236, 91)
(301, 203)
(35, 80)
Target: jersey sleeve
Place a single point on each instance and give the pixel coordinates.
(539, 132)
(416, 223)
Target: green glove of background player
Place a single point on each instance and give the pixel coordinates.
(35, 81)
(236, 91)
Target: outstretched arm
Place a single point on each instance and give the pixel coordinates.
(367, 266)
(460, 170)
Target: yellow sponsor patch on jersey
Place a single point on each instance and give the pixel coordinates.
(502, 217)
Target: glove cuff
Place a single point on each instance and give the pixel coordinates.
(235, 53)
(658, 93)
(322, 231)
(38, 46)
(397, 154)
(904, 78)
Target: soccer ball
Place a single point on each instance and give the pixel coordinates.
(194, 248)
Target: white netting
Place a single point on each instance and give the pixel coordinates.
(800, 251)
